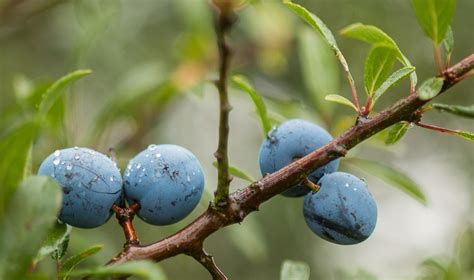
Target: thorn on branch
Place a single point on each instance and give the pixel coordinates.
(207, 261)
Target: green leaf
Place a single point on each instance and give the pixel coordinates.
(294, 270)
(434, 16)
(243, 84)
(448, 42)
(391, 81)
(15, 147)
(459, 110)
(69, 264)
(249, 238)
(341, 100)
(239, 173)
(396, 132)
(373, 35)
(142, 269)
(55, 91)
(465, 134)
(430, 88)
(319, 68)
(390, 175)
(378, 66)
(56, 242)
(30, 214)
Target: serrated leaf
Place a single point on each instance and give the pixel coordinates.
(341, 100)
(238, 173)
(31, 212)
(319, 68)
(69, 264)
(391, 81)
(465, 134)
(249, 238)
(396, 132)
(378, 66)
(56, 242)
(448, 42)
(434, 16)
(374, 35)
(430, 88)
(142, 269)
(294, 270)
(459, 110)
(243, 84)
(390, 175)
(15, 148)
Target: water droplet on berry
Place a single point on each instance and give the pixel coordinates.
(77, 157)
(57, 153)
(152, 147)
(69, 167)
(56, 161)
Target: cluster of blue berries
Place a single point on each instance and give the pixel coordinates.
(167, 182)
(342, 211)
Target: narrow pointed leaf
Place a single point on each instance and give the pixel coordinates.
(341, 100)
(434, 16)
(142, 269)
(391, 81)
(459, 110)
(390, 175)
(396, 132)
(448, 42)
(30, 214)
(56, 242)
(430, 88)
(378, 66)
(54, 92)
(69, 264)
(294, 270)
(242, 83)
(238, 173)
(465, 134)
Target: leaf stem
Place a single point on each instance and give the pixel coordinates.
(436, 128)
(125, 217)
(437, 56)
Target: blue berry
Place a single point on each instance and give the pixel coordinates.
(91, 184)
(167, 181)
(291, 140)
(343, 211)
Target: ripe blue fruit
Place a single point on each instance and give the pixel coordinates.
(342, 211)
(166, 180)
(91, 184)
(291, 140)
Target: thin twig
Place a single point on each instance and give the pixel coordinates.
(437, 56)
(125, 218)
(436, 128)
(208, 262)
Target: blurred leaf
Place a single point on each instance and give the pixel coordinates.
(396, 132)
(448, 42)
(391, 81)
(57, 88)
(294, 270)
(14, 150)
(56, 242)
(390, 175)
(434, 16)
(249, 239)
(464, 252)
(465, 134)
(69, 264)
(373, 35)
(238, 173)
(31, 213)
(142, 269)
(243, 84)
(430, 88)
(459, 110)
(319, 69)
(378, 66)
(341, 100)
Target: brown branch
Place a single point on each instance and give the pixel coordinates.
(125, 218)
(208, 262)
(243, 202)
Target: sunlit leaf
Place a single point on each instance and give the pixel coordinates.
(430, 88)
(390, 175)
(70, 263)
(30, 214)
(142, 269)
(396, 132)
(391, 81)
(56, 242)
(378, 66)
(465, 134)
(434, 16)
(243, 84)
(341, 100)
(294, 270)
(459, 110)
(239, 173)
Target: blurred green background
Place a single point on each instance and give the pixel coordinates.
(152, 62)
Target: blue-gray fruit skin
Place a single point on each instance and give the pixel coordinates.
(291, 140)
(91, 184)
(343, 211)
(167, 181)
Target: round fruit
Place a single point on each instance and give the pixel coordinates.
(343, 211)
(290, 141)
(91, 184)
(167, 181)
